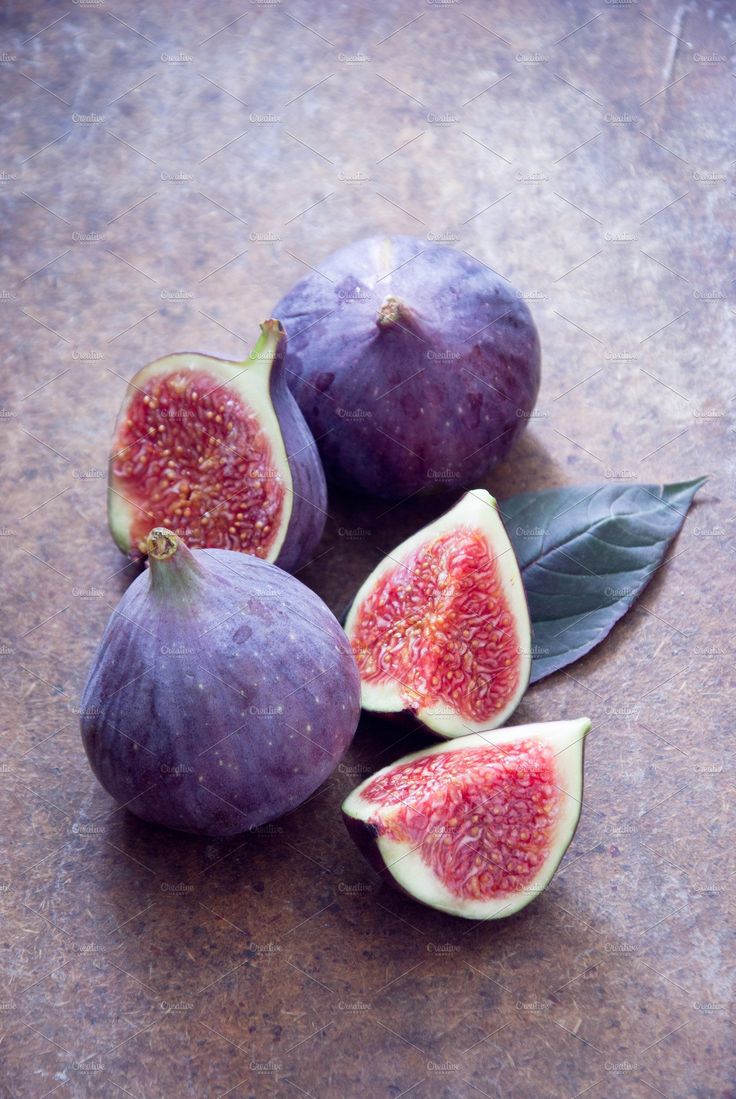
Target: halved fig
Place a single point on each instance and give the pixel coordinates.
(219, 453)
(441, 627)
(476, 827)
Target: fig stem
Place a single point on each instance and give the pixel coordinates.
(161, 543)
(395, 315)
(391, 312)
(271, 340)
(172, 565)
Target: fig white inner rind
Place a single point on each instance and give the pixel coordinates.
(477, 510)
(402, 863)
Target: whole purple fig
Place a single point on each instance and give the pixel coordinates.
(222, 694)
(415, 366)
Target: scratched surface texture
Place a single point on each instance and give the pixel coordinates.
(167, 171)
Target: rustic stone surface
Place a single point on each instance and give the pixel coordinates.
(586, 153)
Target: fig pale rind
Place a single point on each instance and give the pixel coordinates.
(219, 452)
(415, 365)
(446, 639)
(484, 840)
(223, 692)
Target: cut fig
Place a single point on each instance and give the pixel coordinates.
(441, 627)
(219, 453)
(476, 827)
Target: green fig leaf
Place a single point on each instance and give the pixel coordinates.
(586, 553)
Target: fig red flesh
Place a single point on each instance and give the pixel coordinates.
(441, 628)
(477, 826)
(440, 625)
(483, 818)
(194, 452)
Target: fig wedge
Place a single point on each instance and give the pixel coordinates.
(441, 629)
(475, 827)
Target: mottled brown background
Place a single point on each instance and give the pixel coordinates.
(211, 153)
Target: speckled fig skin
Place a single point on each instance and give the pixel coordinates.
(223, 693)
(414, 364)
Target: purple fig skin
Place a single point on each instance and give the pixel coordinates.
(416, 367)
(223, 693)
(309, 501)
